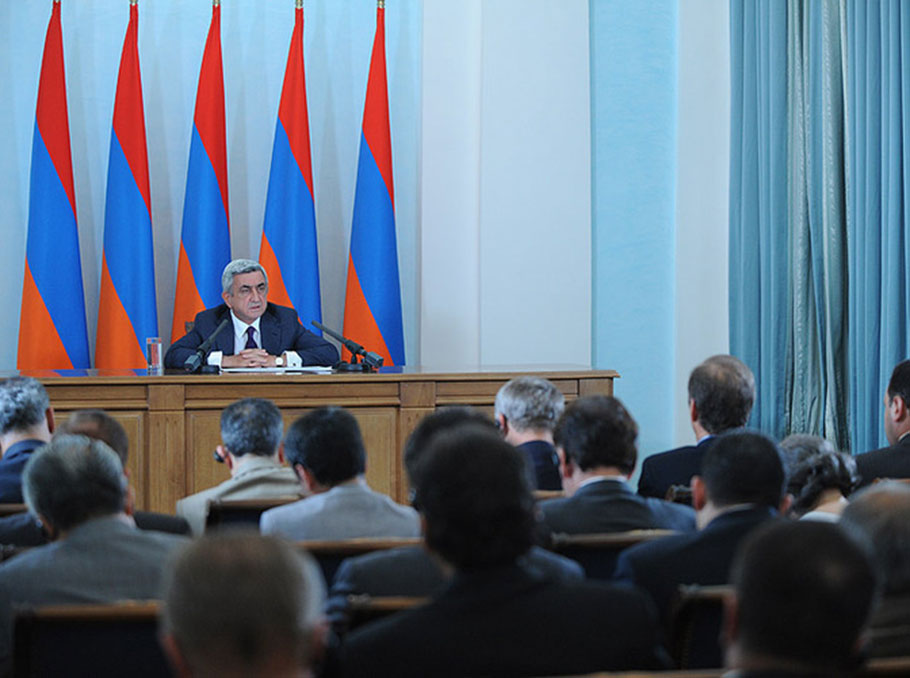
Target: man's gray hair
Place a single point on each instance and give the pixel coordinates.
(530, 403)
(251, 426)
(880, 513)
(73, 479)
(23, 403)
(237, 599)
(239, 267)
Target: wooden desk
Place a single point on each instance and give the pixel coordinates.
(173, 420)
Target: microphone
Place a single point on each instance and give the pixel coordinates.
(195, 361)
(370, 360)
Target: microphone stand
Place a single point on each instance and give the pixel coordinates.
(369, 362)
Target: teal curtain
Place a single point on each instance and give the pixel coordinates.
(788, 216)
(878, 111)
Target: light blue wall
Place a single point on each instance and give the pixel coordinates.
(634, 155)
(338, 39)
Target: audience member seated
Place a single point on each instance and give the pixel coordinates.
(595, 442)
(411, 570)
(25, 530)
(239, 604)
(820, 484)
(497, 618)
(26, 423)
(251, 447)
(802, 594)
(76, 487)
(526, 410)
(741, 486)
(325, 449)
(892, 461)
(721, 394)
(881, 514)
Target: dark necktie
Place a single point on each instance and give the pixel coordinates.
(250, 342)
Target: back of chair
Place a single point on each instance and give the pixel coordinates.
(364, 608)
(120, 639)
(330, 552)
(543, 495)
(597, 553)
(695, 626)
(886, 668)
(237, 512)
(12, 509)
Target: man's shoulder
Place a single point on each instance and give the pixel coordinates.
(294, 512)
(283, 314)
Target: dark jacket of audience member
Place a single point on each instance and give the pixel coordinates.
(595, 441)
(26, 423)
(892, 461)
(497, 618)
(741, 487)
(802, 595)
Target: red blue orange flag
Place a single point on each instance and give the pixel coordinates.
(205, 241)
(289, 251)
(52, 328)
(127, 312)
(372, 302)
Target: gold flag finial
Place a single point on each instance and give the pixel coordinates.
(298, 4)
(216, 3)
(380, 4)
(134, 2)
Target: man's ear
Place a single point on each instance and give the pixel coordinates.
(227, 299)
(699, 493)
(785, 504)
(503, 424)
(898, 409)
(49, 416)
(566, 467)
(49, 529)
(175, 656)
(693, 411)
(129, 507)
(281, 458)
(226, 456)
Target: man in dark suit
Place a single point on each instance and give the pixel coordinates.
(721, 394)
(526, 410)
(741, 486)
(496, 617)
(595, 442)
(411, 570)
(802, 594)
(26, 423)
(76, 486)
(260, 334)
(892, 461)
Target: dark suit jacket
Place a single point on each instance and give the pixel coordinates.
(280, 329)
(703, 557)
(11, 466)
(509, 622)
(888, 462)
(676, 467)
(541, 457)
(412, 571)
(611, 506)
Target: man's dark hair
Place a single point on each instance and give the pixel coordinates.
(881, 513)
(73, 479)
(328, 444)
(251, 426)
(235, 600)
(99, 425)
(723, 390)
(899, 385)
(598, 431)
(804, 592)
(23, 403)
(442, 419)
(743, 467)
(476, 499)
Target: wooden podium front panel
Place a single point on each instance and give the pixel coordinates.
(173, 421)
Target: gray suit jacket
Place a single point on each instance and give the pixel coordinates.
(100, 561)
(255, 478)
(346, 511)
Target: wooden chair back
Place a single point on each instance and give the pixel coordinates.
(330, 552)
(597, 553)
(543, 495)
(119, 639)
(12, 509)
(364, 608)
(695, 625)
(886, 667)
(240, 512)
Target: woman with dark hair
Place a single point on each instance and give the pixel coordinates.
(820, 485)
